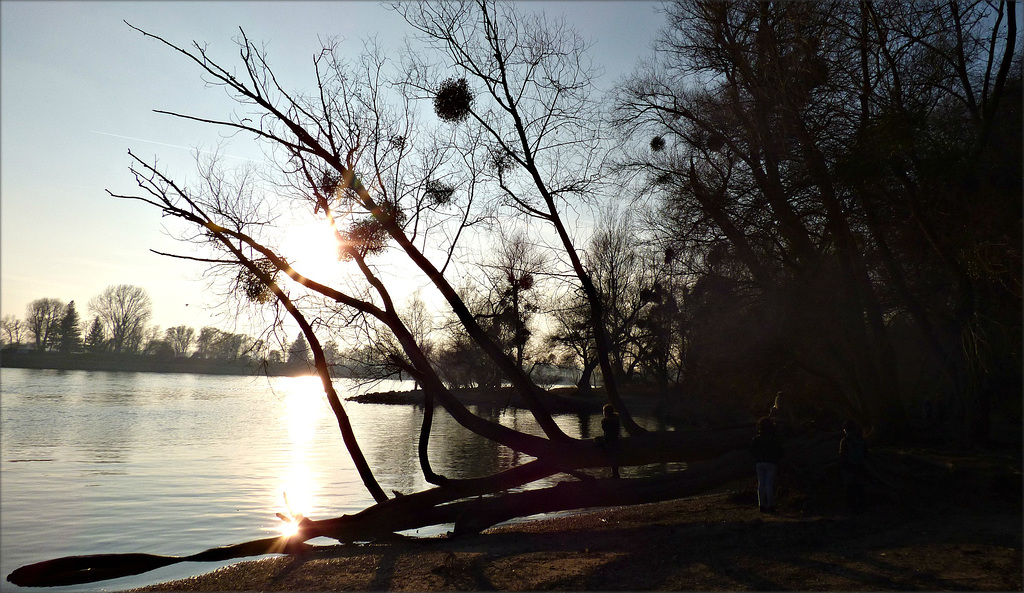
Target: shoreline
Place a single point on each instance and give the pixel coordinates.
(710, 542)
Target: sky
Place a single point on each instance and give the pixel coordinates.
(78, 89)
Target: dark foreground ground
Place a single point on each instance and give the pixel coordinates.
(718, 542)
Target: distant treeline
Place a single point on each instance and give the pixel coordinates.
(120, 338)
(31, 359)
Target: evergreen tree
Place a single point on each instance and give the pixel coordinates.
(69, 335)
(95, 342)
(299, 350)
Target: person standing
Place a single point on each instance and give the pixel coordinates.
(610, 427)
(766, 448)
(853, 453)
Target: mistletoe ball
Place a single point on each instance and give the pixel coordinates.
(453, 100)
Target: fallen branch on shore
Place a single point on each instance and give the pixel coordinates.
(474, 505)
(469, 515)
(76, 570)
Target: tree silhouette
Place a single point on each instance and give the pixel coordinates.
(70, 333)
(95, 341)
(42, 319)
(821, 162)
(340, 158)
(123, 310)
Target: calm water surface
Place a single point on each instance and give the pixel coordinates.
(97, 462)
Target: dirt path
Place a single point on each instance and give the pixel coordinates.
(715, 542)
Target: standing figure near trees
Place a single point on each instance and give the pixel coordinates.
(610, 427)
(853, 452)
(766, 447)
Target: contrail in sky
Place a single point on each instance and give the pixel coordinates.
(166, 144)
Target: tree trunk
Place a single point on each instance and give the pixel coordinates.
(475, 514)
(586, 376)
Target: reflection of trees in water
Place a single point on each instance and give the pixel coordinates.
(459, 453)
(456, 452)
(583, 420)
(390, 439)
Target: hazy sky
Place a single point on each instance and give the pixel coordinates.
(79, 89)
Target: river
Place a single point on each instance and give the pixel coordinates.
(103, 462)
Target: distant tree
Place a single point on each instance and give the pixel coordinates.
(421, 323)
(571, 336)
(231, 346)
(221, 345)
(332, 353)
(623, 275)
(248, 347)
(206, 343)
(380, 355)
(43, 321)
(503, 300)
(12, 330)
(95, 339)
(180, 339)
(299, 350)
(124, 311)
(461, 363)
(623, 272)
(511, 300)
(460, 360)
(659, 334)
(70, 335)
(150, 335)
(377, 357)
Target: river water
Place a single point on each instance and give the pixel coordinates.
(104, 462)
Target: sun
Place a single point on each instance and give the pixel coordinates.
(288, 528)
(312, 249)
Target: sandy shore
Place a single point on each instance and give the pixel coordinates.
(714, 542)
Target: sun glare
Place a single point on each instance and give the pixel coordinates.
(304, 407)
(312, 249)
(303, 410)
(288, 528)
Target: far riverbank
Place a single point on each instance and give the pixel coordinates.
(148, 364)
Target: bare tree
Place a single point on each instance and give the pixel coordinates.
(180, 339)
(123, 310)
(532, 102)
(42, 318)
(513, 280)
(13, 330)
(623, 273)
(793, 142)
